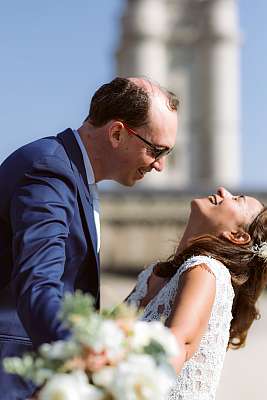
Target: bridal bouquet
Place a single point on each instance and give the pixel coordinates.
(109, 356)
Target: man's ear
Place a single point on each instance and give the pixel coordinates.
(115, 133)
(237, 237)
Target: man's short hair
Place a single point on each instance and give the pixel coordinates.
(122, 99)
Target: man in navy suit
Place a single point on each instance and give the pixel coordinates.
(49, 222)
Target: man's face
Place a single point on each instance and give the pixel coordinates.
(138, 157)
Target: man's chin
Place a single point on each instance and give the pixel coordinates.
(131, 180)
(127, 182)
(135, 180)
(130, 184)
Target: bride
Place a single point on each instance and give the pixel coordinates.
(206, 292)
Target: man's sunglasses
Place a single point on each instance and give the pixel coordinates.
(158, 152)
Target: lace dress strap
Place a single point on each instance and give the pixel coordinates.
(217, 268)
(141, 287)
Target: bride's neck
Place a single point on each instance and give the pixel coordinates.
(188, 235)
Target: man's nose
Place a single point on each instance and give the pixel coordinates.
(158, 165)
(222, 192)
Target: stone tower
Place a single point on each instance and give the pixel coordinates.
(191, 47)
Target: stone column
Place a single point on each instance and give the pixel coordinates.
(143, 52)
(142, 48)
(216, 138)
(183, 34)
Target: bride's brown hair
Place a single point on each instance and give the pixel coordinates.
(248, 272)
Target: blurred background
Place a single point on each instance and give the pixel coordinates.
(212, 54)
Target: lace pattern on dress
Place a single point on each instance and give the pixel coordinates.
(200, 375)
(141, 287)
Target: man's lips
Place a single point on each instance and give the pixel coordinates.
(142, 171)
(140, 174)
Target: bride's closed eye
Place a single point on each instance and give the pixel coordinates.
(239, 197)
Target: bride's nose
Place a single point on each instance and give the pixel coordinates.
(222, 192)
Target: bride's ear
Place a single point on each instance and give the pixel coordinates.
(237, 237)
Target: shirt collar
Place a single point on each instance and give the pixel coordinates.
(87, 163)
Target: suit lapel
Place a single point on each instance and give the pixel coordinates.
(74, 153)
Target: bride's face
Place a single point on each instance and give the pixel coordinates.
(223, 211)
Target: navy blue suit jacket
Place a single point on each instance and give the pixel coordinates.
(47, 246)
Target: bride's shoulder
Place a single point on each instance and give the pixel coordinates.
(206, 262)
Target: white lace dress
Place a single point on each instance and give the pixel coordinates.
(199, 378)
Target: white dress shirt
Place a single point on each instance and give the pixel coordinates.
(92, 185)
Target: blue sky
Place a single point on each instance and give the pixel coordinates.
(54, 54)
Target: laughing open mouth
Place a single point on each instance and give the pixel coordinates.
(213, 199)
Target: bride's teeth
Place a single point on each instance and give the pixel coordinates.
(212, 198)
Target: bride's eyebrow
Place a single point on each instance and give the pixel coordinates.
(240, 196)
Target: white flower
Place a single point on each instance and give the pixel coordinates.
(72, 386)
(85, 330)
(144, 333)
(104, 377)
(139, 378)
(60, 350)
(110, 338)
(100, 335)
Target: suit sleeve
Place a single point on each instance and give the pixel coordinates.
(41, 211)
